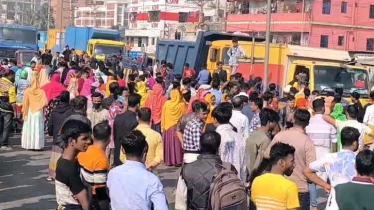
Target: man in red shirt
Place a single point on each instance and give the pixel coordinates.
(187, 72)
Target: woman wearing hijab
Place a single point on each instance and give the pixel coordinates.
(338, 114)
(210, 100)
(155, 102)
(172, 111)
(54, 88)
(43, 77)
(73, 86)
(33, 128)
(86, 89)
(21, 85)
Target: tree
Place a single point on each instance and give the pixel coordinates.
(39, 18)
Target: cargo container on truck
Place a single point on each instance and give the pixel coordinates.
(94, 41)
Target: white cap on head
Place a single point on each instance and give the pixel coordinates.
(287, 89)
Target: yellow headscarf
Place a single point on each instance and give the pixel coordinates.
(34, 97)
(142, 91)
(107, 91)
(172, 110)
(43, 77)
(208, 98)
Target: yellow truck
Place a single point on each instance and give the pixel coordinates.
(326, 69)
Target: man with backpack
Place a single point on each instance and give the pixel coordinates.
(211, 183)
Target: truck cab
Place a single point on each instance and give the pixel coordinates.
(101, 48)
(25, 56)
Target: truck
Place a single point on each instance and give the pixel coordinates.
(14, 37)
(94, 41)
(326, 69)
(42, 41)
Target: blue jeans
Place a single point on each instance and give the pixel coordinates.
(313, 195)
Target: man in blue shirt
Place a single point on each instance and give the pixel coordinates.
(216, 92)
(204, 76)
(130, 185)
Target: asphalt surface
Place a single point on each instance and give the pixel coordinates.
(23, 184)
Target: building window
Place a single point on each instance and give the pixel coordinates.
(154, 16)
(369, 44)
(340, 40)
(326, 7)
(324, 41)
(371, 15)
(183, 16)
(343, 8)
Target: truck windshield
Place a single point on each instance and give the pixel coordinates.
(17, 35)
(327, 78)
(107, 49)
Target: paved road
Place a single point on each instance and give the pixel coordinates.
(23, 184)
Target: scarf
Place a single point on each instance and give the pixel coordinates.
(86, 89)
(34, 98)
(338, 114)
(199, 95)
(107, 91)
(73, 86)
(54, 88)
(43, 77)
(172, 110)
(209, 99)
(155, 102)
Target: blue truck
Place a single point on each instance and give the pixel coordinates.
(17, 38)
(100, 42)
(42, 40)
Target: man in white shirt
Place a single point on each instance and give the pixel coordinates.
(232, 148)
(156, 68)
(323, 136)
(239, 120)
(340, 166)
(131, 185)
(351, 113)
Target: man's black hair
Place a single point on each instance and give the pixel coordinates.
(315, 92)
(280, 151)
(352, 111)
(186, 81)
(199, 106)
(349, 135)
(145, 114)
(372, 95)
(306, 92)
(159, 80)
(365, 162)
(268, 115)
(215, 84)
(176, 85)
(243, 98)
(194, 83)
(178, 77)
(290, 98)
(72, 129)
(65, 96)
(302, 117)
(244, 87)
(222, 114)
(337, 98)
(142, 77)
(267, 96)
(272, 86)
(113, 86)
(131, 86)
(187, 95)
(134, 143)
(187, 65)
(355, 95)
(131, 77)
(134, 100)
(79, 103)
(96, 94)
(253, 96)
(237, 102)
(330, 93)
(258, 102)
(102, 131)
(210, 142)
(235, 40)
(339, 91)
(170, 66)
(318, 104)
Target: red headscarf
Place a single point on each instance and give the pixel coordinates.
(199, 96)
(54, 88)
(155, 102)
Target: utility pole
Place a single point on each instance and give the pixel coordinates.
(267, 44)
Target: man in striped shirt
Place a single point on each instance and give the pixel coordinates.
(323, 135)
(95, 165)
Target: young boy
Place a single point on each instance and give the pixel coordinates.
(70, 190)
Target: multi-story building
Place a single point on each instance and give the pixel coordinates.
(18, 10)
(336, 24)
(150, 20)
(101, 14)
(62, 12)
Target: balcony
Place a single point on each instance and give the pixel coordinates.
(287, 16)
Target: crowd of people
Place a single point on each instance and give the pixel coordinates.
(112, 130)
